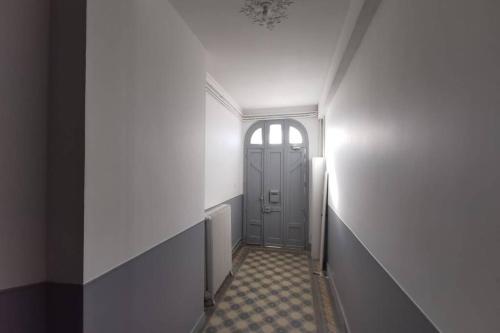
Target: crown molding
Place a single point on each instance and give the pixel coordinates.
(305, 111)
(222, 96)
(281, 116)
(215, 90)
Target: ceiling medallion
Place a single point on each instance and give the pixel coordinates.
(266, 13)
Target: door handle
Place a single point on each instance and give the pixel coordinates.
(266, 209)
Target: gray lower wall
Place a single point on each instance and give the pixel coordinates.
(23, 309)
(371, 300)
(159, 291)
(236, 204)
(64, 308)
(42, 307)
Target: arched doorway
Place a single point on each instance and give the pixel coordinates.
(276, 183)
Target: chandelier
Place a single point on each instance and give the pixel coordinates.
(266, 13)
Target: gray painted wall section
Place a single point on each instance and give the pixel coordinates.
(236, 204)
(24, 36)
(236, 219)
(159, 291)
(371, 300)
(64, 308)
(24, 66)
(23, 309)
(42, 307)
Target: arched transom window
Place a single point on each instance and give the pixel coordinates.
(294, 136)
(256, 138)
(277, 134)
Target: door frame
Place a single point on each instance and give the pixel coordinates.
(286, 123)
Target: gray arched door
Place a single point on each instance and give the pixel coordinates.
(276, 183)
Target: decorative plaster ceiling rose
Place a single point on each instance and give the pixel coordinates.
(266, 13)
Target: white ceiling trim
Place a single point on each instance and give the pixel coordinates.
(222, 96)
(281, 116)
(216, 90)
(281, 113)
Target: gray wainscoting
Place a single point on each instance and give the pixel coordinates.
(40, 308)
(23, 309)
(371, 300)
(64, 308)
(159, 291)
(236, 204)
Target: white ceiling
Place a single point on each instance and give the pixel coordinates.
(267, 69)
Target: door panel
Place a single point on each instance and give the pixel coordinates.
(273, 212)
(296, 197)
(254, 181)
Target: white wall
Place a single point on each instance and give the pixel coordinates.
(223, 153)
(24, 33)
(413, 146)
(145, 130)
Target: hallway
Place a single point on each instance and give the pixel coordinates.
(347, 152)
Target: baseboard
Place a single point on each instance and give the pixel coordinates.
(199, 323)
(336, 298)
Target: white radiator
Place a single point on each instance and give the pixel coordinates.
(218, 248)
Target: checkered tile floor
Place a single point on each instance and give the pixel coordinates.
(271, 292)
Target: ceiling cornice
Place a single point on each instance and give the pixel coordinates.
(215, 90)
(222, 96)
(313, 114)
(304, 111)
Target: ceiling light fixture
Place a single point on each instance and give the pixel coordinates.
(266, 13)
